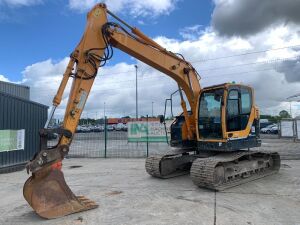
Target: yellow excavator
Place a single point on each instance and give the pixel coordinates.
(211, 138)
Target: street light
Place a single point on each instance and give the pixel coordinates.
(104, 110)
(290, 100)
(152, 109)
(87, 118)
(136, 92)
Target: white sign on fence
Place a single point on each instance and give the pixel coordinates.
(298, 129)
(142, 131)
(287, 128)
(11, 140)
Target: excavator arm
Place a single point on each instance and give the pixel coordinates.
(46, 190)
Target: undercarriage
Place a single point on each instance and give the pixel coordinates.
(214, 170)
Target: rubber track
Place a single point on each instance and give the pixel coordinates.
(202, 170)
(153, 164)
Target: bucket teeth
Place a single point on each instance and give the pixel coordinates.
(86, 201)
(50, 197)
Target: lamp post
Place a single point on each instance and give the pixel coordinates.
(136, 92)
(290, 100)
(104, 110)
(87, 118)
(152, 109)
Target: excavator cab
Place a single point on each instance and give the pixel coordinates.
(227, 118)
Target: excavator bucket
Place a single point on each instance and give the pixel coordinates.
(48, 194)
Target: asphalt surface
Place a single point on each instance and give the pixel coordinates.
(126, 194)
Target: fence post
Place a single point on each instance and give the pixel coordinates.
(295, 129)
(147, 136)
(105, 136)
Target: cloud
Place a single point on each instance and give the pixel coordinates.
(248, 17)
(3, 78)
(115, 84)
(191, 32)
(272, 78)
(15, 3)
(135, 8)
(291, 70)
(44, 78)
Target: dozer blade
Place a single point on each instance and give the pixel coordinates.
(48, 194)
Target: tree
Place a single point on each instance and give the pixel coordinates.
(284, 114)
(87, 121)
(271, 119)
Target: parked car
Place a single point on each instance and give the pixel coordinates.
(265, 124)
(274, 129)
(125, 128)
(98, 129)
(78, 129)
(83, 129)
(110, 127)
(119, 127)
(268, 129)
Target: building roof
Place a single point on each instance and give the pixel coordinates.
(126, 120)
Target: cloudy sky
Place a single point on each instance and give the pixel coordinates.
(252, 42)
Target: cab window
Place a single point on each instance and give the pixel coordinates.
(246, 101)
(239, 105)
(210, 106)
(233, 103)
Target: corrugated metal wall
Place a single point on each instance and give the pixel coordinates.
(17, 90)
(15, 114)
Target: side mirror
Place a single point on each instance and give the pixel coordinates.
(161, 118)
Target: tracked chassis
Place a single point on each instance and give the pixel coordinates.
(217, 172)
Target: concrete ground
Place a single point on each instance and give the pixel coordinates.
(127, 195)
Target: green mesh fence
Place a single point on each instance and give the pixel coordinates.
(107, 140)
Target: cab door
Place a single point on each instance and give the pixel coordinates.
(210, 114)
(239, 112)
